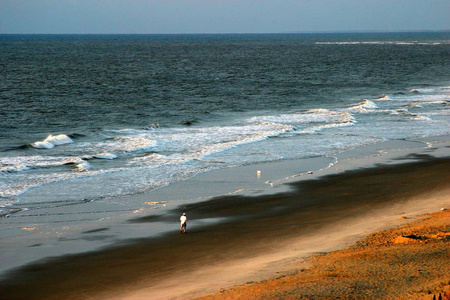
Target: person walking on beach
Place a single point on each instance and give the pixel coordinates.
(183, 221)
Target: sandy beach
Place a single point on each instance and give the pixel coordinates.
(289, 235)
(410, 262)
(295, 155)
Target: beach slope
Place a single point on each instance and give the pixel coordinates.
(258, 237)
(411, 262)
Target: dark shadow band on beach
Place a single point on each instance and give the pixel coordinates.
(249, 226)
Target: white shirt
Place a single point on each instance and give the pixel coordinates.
(183, 219)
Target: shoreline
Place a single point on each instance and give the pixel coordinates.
(241, 247)
(290, 251)
(29, 236)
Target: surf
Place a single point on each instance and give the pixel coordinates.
(51, 141)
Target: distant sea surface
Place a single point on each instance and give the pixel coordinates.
(88, 117)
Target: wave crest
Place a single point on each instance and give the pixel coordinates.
(364, 106)
(52, 141)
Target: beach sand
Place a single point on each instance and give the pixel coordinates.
(265, 236)
(411, 262)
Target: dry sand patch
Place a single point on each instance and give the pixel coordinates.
(378, 267)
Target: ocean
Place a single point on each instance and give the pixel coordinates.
(88, 118)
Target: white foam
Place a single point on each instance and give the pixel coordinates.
(59, 139)
(154, 160)
(36, 161)
(423, 90)
(128, 144)
(83, 166)
(43, 145)
(364, 106)
(215, 139)
(421, 118)
(156, 157)
(14, 168)
(105, 155)
(52, 141)
(16, 182)
(306, 117)
(323, 117)
(269, 129)
(327, 126)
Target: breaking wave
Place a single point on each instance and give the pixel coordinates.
(52, 141)
(146, 158)
(364, 106)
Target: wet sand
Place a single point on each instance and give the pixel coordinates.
(257, 238)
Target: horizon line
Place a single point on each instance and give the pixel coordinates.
(248, 33)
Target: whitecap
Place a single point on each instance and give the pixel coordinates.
(105, 155)
(364, 106)
(52, 141)
(83, 166)
(317, 110)
(368, 104)
(60, 139)
(42, 145)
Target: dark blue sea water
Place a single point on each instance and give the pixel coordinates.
(87, 117)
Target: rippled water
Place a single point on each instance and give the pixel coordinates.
(89, 117)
